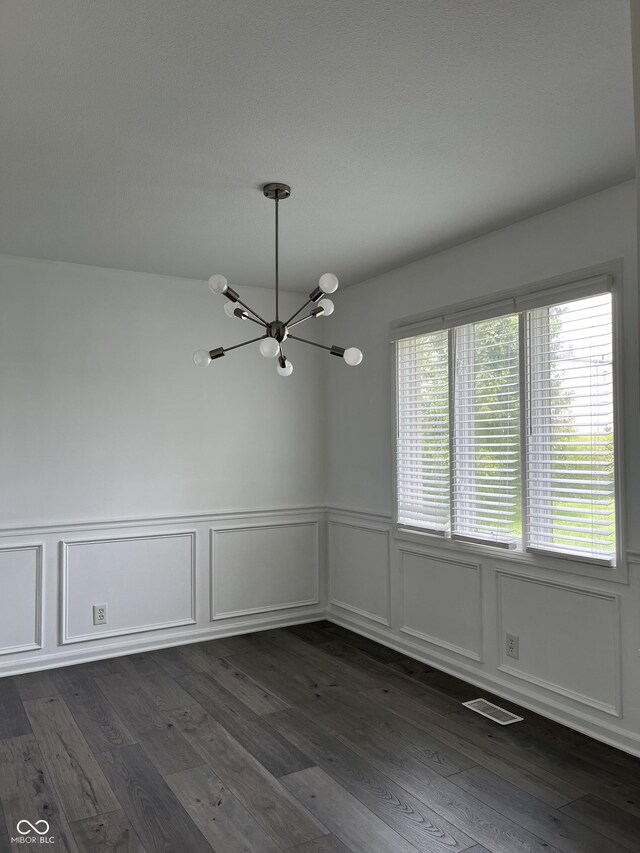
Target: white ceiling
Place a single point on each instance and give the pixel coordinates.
(136, 134)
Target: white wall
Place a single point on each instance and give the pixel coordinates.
(118, 457)
(579, 636)
(103, 413)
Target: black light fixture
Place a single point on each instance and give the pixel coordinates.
(277, 332)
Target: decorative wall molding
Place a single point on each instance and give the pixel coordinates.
(60, 595)
(67, 546)
(215, 570)
(369, 526)
(38, 549)
(476, 653)
(633, 558)
(365, 514)
(382, 620)
(614, 710)
(62, 527)
(615, 707)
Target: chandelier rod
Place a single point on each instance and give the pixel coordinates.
(277, 199)
(245, 343)
(313, 343)
(317, 312)
(233, 297)
(257, 322)
(314, 296)
(299, 311)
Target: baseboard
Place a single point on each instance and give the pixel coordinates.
(148, 644)
(600, 730)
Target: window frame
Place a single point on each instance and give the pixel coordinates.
(574, 285)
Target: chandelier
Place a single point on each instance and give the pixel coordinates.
(277, 331)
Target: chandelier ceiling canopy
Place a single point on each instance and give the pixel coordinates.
(276, 332)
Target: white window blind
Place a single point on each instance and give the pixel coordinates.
(486, 432)
(422, 462)
(571, 477)
(505, 426)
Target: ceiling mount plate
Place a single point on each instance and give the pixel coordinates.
(276, 191)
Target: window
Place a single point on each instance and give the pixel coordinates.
(505, 425)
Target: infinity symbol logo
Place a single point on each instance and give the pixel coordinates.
(32, 827)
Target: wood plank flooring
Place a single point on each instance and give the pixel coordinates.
(310, 739)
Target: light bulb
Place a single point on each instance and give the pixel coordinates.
(285, 370)
(269, 347)
(218, 284)
(353, 356)
(229, 308)
(328, 283)
(327, 305)
(202, 358)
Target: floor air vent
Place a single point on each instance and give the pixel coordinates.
(495, 713)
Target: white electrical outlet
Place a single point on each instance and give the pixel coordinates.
(513, 646)
(99, 614)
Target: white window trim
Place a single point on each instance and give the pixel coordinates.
(606, 276)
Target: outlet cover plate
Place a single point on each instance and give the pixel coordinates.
(512, 647)
(99, 614)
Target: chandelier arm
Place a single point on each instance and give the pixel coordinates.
(245, 343)
(257, 322)
(255, 313)
(313, 314)
(302, 307)
(311, 343)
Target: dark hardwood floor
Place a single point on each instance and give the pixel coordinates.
(309, 739)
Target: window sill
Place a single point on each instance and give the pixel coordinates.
(569, 565)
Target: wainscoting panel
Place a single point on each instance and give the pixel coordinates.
(442, 602)
(21, 599)
(359, 569)
(259, 568)
(569, 639)
(147, 582)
